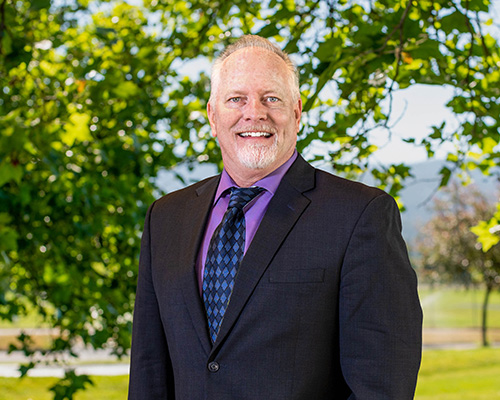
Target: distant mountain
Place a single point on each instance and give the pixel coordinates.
(420, 191)
(182, 176)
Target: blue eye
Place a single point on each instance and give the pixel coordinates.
(234, 99)
(273, 99)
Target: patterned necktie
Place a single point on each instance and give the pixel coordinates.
(224, 256)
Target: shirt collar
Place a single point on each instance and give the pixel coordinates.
(269, 182)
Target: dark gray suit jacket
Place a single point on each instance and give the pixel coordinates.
(324, 305)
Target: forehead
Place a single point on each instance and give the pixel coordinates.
(255, 54)
(253, 64)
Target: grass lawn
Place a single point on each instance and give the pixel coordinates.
(459, 375)
(458, 308)
(445, 375)
(105, 388)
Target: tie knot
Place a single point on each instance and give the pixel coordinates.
(240, 197)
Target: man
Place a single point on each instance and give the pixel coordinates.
(323, 303)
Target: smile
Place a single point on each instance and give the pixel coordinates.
(255, 134)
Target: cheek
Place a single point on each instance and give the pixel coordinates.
(288, 123)
(227, 119)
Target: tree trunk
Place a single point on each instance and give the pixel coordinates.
(484, 319)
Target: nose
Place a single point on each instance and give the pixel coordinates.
(255, 111)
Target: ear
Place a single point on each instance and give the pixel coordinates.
(211, 117)
(297, 111)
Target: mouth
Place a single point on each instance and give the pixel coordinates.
(255, 134)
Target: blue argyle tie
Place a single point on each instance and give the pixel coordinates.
(224, 256)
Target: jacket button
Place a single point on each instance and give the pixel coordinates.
(213, 366)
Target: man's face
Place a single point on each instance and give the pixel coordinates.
(254, 113)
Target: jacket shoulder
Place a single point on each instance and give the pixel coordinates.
(347, 189)
(177, 198)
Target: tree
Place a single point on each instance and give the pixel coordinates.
(94, 100)
(449, 251)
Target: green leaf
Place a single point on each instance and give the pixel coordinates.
(24, 368)
(454, 21)
(269, 30)
(476, 5)
(329, 49)
(126, 90)
(6, 43)
(487, 233)
(66, 388)
(37, 5)
(488, 145)
(77, 129)
(445, 173)
(8, 235)
(9, 172)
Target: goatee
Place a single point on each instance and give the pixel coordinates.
(258, 156)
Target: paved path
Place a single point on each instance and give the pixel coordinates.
(89, 362)
(12, 370)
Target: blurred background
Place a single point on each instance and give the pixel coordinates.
(102, 110)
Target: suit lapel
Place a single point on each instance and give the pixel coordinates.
(193, 230)
(284, 210)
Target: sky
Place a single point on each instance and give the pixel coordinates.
(418, 108)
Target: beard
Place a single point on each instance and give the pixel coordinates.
(258, 156)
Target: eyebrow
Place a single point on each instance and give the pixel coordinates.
(238, 92)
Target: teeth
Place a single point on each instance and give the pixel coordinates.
(255, 134)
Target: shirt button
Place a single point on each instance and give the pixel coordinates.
(213, 366)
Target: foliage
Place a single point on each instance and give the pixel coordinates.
(448, 249)
(96, 97)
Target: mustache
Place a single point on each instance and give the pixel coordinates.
(255, 128)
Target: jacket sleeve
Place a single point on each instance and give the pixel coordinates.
(150, 367)
(380, 314)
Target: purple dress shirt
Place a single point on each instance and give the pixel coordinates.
(254, 211)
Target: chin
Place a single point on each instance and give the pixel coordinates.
(258, 156)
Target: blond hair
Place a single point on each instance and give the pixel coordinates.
(248, 41)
